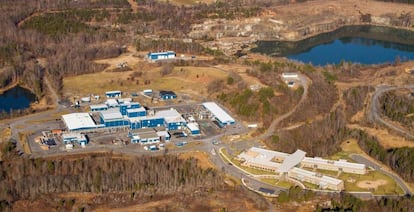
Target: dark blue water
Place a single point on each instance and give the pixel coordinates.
(356, 50)
(16, 98)
(357, 44)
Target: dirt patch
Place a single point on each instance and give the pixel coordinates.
(202, 159)
(367, 184)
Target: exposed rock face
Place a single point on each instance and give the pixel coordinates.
(298, 22)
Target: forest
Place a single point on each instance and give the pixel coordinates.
(399, 107)
(23, 178)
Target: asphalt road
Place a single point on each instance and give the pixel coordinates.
(374, 114)
(361, 159)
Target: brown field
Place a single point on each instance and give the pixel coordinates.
(188, 79)
(386, 139)
(202, 158)
(189, 2)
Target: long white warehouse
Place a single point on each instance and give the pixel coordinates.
(79, 121)
(219, 114)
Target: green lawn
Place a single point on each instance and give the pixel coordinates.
(276, 182)
(250, 170)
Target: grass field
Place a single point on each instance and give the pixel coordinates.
(193, 80)
(283, 184)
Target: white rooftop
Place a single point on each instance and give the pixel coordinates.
(78, 121)
(292, 160)
(98, 106)
(337, 163)
(141, 109)
(163, 133)
(111, 114)
(218, 112)
(111, 102)
(170, 115)
(111, 92)
(193, 126)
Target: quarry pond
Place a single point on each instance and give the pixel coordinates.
(16, 98)
(357, 44)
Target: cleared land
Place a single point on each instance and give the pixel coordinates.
(202, 159)
(187, 79)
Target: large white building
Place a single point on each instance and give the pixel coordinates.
(290, 166)
(221, 116)
(79, 121)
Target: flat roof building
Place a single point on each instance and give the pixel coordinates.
(290, 165)
(113, 94)
(194, 128)
(167, 95)
(222, 117)
(113, 118)
(154, 56)
(72, 137)
(98, 107)
(78, 121)
(173, 119)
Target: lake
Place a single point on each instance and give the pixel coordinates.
(357, 44)
(16, 98)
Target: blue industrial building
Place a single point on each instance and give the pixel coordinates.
(172, 119)
(154, 56)
(167, 95)
(193, 128)
(113, 118)
(113, 94)
(136, 112)
(152, 122)
(128, 105)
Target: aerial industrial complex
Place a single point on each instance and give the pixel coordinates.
(122, 113)
(291, 166)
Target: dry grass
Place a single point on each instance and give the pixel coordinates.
(182, 79)
(351, 146)
(202, 159)
(189, 2)
(24, 143)
(386, 139)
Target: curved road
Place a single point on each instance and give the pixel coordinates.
(373, 113)
(362, 159)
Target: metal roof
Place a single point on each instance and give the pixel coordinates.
(161, 53)
(292, 160)
(112, 102)
(322, 179)
(113, 92)
(111, 114)
(193, 126)
(336, 163)
(218, 112)
(141, 109)
(78, 121)
(171, 115)
(98, 106)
